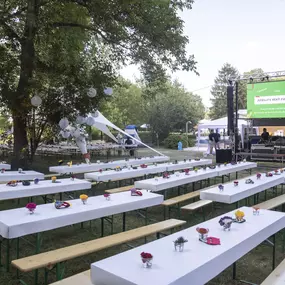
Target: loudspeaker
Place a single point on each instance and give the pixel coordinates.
(223, 155)
(230, 106)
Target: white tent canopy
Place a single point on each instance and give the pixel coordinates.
(101, 121)
(221, 123)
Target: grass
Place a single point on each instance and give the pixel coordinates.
(254, 267)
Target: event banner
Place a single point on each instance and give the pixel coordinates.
(266, 100)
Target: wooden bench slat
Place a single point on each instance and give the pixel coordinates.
(272, 203)
(77, 279)
(196, 205)
(181, 198)
(276, 277)
(59, 255)
(120, 189)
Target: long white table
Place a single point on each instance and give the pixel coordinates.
(82, 168)
(42, 188)
(126, 173)
(182, 179)
(24, 175)
(160, 184)
(198, 263)
(19, 222)
(5, 166)
(224, 170)
(232, 194)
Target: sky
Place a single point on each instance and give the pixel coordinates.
(245, 33)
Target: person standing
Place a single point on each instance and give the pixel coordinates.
(265, 135)
(129, 142)
(212, 143)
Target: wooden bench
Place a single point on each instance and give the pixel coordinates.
(272, 203)
(82, 278)
(55, 257)
(119, 190)
(276, 277)
(197, 205)
(176, 200)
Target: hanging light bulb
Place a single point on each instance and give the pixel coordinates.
(108, 91)
(65, 134)
(76, 133)
(63, 123)
(92, 92)
(80, 120)
(36, 101)
(90, 121)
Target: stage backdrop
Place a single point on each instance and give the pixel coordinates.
(266, 100)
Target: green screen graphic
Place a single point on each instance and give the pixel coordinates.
(266, 100)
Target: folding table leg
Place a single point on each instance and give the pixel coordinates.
(234, 271)
(124, 222)
(7, 255)
(274, 252)
(102, 227)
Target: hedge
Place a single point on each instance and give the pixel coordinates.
(172, 140)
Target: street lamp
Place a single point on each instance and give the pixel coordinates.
(189, 122)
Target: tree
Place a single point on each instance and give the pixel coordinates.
(219, 91)
(172, 108)
(126, 106)
(43, 47)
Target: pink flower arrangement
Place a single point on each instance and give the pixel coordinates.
(31, 207)
(186, 171)
(107, 196)
(146, 255)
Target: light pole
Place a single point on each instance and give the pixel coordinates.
(189, 122)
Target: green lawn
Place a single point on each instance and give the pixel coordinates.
(253, 267)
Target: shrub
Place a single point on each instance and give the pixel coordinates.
(172, 140)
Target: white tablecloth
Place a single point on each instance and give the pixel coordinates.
(25, 175)
(223, 170)
(151, 169)
(42, 188)
(5, 166)
(232, 194)
(19, 222)
(82, 168)
(198, 263)
(174, 181)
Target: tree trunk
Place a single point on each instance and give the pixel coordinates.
(21, 105)
(20, 141)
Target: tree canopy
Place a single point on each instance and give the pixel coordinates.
(219, 90)
(59, 48)
(166, 111)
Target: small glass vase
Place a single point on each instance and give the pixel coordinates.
(227, 226)
(179, 246)
(31, 211)
(203, 237)
(147, 262)
(84, 201)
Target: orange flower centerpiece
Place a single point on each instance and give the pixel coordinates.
(83, 198)
(203, 233)
(239, 216)
(255, 210)
(53, 179)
